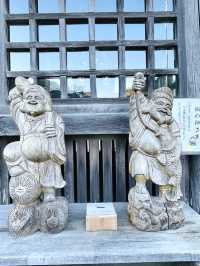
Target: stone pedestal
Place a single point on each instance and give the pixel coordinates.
(152, 213)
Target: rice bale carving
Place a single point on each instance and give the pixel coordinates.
(34, 162)
(156, 148)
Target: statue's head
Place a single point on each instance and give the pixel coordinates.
(36, 100)
(162, 99)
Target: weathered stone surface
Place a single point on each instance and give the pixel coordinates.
(53, 215)
(126, 245)
(34, 162)
(156, 148)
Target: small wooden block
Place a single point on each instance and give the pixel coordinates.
(101, 216)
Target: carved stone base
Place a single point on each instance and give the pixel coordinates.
(23, 220)
(48, 217)
(152, 214)
(54, 215)
(175, 214)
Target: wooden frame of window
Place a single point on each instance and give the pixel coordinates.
(33, 18)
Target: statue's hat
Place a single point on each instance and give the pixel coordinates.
(163, 92)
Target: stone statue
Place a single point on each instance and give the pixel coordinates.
(34, 162)
(156, 148)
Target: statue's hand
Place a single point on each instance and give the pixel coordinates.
(138, 82)
(13, 94)
(50, 131)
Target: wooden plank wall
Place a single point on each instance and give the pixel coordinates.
(96, 169)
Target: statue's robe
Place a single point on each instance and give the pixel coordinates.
(154, 156)
(49, 171)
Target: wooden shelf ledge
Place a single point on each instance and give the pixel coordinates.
(76, 246)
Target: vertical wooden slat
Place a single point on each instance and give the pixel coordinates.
(63, 87)
(63, 58)
(92, 57)
(149, 5)
(33, 30)
(62, 51)
(81, 170)
(4, 178)
(91, 29)
(69, 170)
(151, 50)
(3, 54)
(120, 169)
(122, 86)
(94, 170)
(62, 6)
(120, 5)
(185, 178)
(120, 28)
(32, 6)
(33, 35)
(93, 86)
(33, 38)
(62, 29)
(107, 169)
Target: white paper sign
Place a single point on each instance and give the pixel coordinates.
(186, 111)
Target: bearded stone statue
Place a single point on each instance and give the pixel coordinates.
(156, 148)
(34, 162)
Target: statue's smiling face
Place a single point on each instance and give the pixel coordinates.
(34, 103)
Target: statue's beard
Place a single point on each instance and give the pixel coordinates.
(33, 110)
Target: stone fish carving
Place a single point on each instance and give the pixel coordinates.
(156, 148)
(34, 162)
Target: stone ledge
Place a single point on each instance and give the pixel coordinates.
(76, 246)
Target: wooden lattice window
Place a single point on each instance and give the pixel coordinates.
(92, 48)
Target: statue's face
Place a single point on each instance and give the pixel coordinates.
(34, 103)
(163, 106)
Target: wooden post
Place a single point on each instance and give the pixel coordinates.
(191, 77)
(3, 55)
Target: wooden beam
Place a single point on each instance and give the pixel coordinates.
(91, 14)
(136, 43)
(117, 72)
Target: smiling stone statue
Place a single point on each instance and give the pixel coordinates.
(34, 162)
(156, 148)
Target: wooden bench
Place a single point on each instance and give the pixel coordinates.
(76, 246)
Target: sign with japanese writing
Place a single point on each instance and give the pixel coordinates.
(187, 114)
